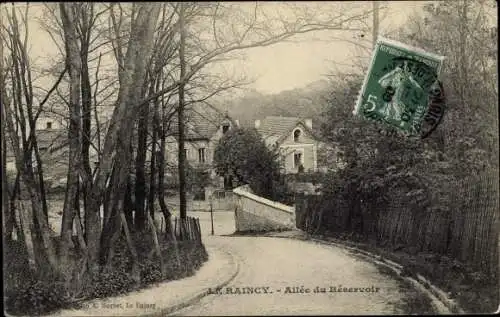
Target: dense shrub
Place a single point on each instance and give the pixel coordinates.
(110, 282)
(37, 297)
(310, 177)
(150, 272)
(26, 291)
(34, 293)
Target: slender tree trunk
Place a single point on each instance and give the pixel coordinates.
(86, 91)
(74, 64)
(463, 54)
(156, 244)
(128, 207)
(8, 223)
(160, 160)
(27, 227)
(375, 23)
(12, 199)
(152, 182)
(180, 113)
(140, 163)
(6, 215)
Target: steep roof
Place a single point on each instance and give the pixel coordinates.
(278, 126)
(275, 128)
(202, 122)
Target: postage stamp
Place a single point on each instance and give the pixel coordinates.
(400, 84)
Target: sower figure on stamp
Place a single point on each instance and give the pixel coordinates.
(395, 80)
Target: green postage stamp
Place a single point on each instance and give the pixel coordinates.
(399, 85)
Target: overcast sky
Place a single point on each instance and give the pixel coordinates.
(281, 66)
(287, 66)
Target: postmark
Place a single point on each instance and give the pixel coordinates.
(402, 90)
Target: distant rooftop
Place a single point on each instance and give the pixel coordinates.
(202, 122)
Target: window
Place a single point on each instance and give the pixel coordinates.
(48, 125)
(186, 153)
(225, 128)
(201, 155)
(297, 159)
(296, 135)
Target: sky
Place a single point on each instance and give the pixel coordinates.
(286, 66)
(275, 68)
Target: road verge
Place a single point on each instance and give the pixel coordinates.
(441, 302)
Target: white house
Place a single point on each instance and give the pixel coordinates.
(295, 140)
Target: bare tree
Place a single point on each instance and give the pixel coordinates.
(74, 65)
(18, 109)
(117, 142)
(467, 37)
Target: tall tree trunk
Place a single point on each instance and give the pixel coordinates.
(180, 113)
(26, 223)
(115, 150)
(86, 91)
(115, 221)
(74, 64)
(160, 160)
(128, 208)
(6, 228)
(6, 214)
(152, 180)
(463, 85)
(140, 163)
(12, 199)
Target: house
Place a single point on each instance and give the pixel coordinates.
(52, 143)
(51, 138)
(295, 140)
(204, 127)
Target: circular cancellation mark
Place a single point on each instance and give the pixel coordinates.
(436, 97)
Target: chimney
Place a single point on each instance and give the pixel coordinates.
(309, 123)
(257, 124)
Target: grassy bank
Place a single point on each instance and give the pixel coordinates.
(35, 293)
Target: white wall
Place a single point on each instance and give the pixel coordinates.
(41, 123)
(254, 213)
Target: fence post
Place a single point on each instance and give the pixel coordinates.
(192, 229)
(211, 215)
(195, 229)
(175, 229)
(199, 228)
(188, 229)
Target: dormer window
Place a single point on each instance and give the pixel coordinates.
(296, 135)
(225, 128)
(48, 125)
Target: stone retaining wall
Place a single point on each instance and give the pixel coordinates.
(254, 213)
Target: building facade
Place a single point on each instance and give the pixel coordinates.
(294, 139)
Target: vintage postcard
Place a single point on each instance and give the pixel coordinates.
(203, 159)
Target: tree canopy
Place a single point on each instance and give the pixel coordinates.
(243, 155)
